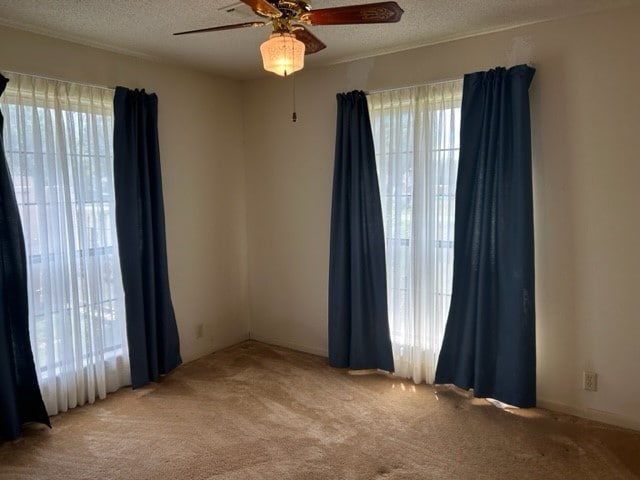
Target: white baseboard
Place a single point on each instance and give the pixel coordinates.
(591, 414)
(232, 342)
(215, 347)
(283, 343)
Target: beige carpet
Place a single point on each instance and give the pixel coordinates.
(260, 412)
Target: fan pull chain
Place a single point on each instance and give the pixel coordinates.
(294, 117)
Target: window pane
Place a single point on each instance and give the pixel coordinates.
(417, 141)
(58, 143)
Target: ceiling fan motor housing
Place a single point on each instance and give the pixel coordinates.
(291, 9)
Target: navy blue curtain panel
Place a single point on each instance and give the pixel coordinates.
(20, 398)
(358, 322)
(489, 341)
(154, 347)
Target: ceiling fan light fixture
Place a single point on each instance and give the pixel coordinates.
(282, 54)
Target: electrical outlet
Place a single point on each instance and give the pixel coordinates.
(199, 330)
(590, 381)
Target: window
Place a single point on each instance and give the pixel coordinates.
(58, 141)
(416, 135)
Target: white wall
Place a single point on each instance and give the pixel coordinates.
(200, 129)
(586, 144)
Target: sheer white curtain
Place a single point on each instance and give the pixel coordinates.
(417, 140)
(58, 140)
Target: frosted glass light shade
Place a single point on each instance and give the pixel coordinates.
(282, 54)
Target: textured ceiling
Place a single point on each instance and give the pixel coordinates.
(145, 27)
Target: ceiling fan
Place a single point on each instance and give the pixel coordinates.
(283, 53)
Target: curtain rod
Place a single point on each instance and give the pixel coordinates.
(44, 77)
(380, 90)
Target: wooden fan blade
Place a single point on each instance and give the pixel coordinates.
(224, 27)
(264, 8)
(382, 12)
(312, 44)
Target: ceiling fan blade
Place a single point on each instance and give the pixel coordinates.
(382, 12)
(264, 8)
(312, 43)
(224, 27)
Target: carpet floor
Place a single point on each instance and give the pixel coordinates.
(256, 411)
